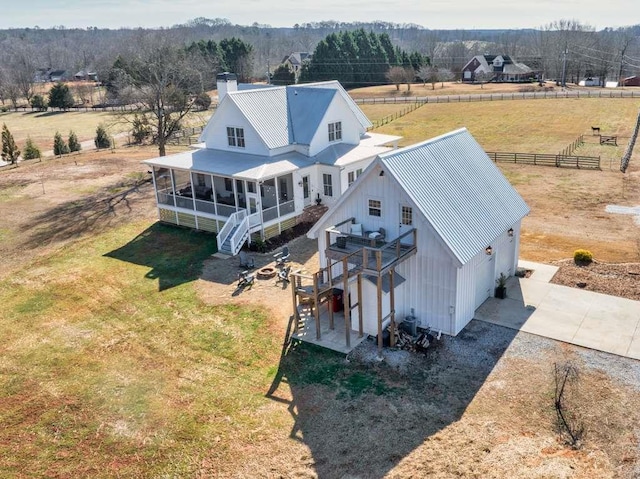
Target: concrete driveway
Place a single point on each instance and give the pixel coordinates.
(593, 320)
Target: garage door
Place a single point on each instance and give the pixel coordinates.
(484, 279)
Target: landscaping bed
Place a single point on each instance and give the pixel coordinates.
(620, 279)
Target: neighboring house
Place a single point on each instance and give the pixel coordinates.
(86, 75)
(499, 68)
(58, 75)
(266, 154)
(48, 75)
(295, 61)
(439, 224)
(631, 81)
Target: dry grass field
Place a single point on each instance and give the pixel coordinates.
(127, 352)
(446, 88)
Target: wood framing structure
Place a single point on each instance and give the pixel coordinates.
(348, 261)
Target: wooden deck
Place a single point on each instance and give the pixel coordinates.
(366, 258)
(334, 339)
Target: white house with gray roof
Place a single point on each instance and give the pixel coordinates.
(265, 155)
(436, 222)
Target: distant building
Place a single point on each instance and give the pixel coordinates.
(500, 68)
(631, 81)
(86, 75)
(591, 81)
(295, 61)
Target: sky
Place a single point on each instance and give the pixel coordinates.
(432, 14)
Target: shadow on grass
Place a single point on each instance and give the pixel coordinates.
(92, 213)
(43, 114)
(361, 418)
(175, 255)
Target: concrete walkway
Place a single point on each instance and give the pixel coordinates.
(593, 320)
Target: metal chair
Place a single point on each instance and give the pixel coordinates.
(283, 274)
(282, 257)
(246, 260)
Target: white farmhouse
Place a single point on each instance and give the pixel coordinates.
(426, 229)
(265, 155)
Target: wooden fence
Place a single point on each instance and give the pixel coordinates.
(186, 136)
(572, 147)
(538, 95)
(541, 159)
(396, 115)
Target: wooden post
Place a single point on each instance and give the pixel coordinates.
(392, 307)
(360, 325)
(330, 281)
(296, 317)
(380, 316)
(345, 299)
(316, 301)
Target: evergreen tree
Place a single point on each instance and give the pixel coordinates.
(102, 139)
(238, 57)
(283, 75)
(10, 151)
(74, 144)
(141, 128)
(59, 146)
(31, 151)
(60, 96)
(39, 103)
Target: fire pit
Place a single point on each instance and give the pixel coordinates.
(266, 273)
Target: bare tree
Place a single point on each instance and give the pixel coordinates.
(396, 75)
(164, 83)
(483, 77)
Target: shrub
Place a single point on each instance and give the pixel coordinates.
(31, 151)
(102, 139)
(141, 128)
(582, 257)
(202, 101)
(10, 151)
(59, 146)
(39, 103)
(74, 144)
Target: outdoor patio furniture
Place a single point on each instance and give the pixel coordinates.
(246, 260)
(356, 229)
(283, 256)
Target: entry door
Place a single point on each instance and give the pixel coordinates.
(485, 274)
(406, 223)
(253, 209)
(306, 190)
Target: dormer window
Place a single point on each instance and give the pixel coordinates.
(335, 131)
(235, 136)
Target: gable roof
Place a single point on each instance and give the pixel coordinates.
(286, 115)
(460, 191)
(456, 187)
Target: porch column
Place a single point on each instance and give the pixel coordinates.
(345, 300)
(392, 307)
(379, 292)
(316, 301)
(360, 325)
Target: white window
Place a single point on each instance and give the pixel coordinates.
(375, 208)
(327, 182)
(351, 177)
(335, 131)
(407, 216)
(358, 172)
(235, 136)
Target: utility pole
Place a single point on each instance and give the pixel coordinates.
(268, 73)
(564, 68)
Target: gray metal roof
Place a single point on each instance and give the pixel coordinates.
(459, 190)
(266, 110)
(334, 84)
(307, 107)
(232, 164)
(283, 116)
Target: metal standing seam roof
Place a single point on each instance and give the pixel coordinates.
(334, 84)
(283, 116)
(266, 110)
(459, 190)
